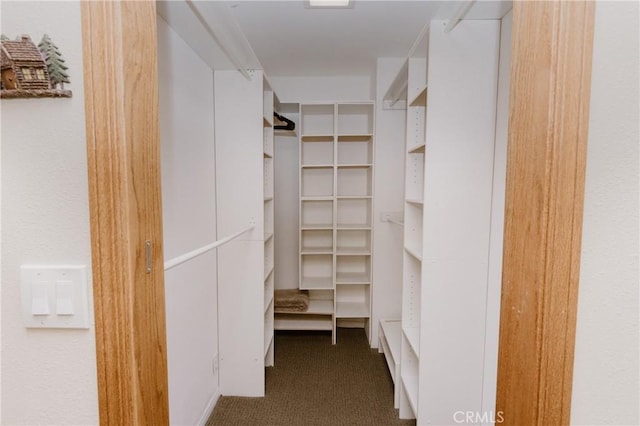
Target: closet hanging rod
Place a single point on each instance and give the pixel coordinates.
(218, 39)
(458, 16)
(202, 250)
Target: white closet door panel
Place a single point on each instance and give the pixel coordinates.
(241, 287)
(239, 153)
(460, 132)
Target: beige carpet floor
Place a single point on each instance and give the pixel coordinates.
(314, 383)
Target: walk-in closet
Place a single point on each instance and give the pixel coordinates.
(334, 169)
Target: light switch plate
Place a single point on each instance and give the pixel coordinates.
(59, 290)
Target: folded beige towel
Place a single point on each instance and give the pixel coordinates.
(291, 300)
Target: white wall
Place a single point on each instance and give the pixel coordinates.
(326, 89)
(389, 198)
(605, 381)
(287, 148)
(189, 222)
(49, 375)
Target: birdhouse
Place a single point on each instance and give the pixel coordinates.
(23, 67)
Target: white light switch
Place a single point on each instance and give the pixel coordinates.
(40, 298)
(64, 297)
(54, 296)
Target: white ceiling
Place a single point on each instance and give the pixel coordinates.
(290, 39)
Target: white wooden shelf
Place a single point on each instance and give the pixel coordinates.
(267, 302)
(352, 310)
(354, 197)
(316, 250)
(316, 227)
(353, 252)
(317, 166)
(268, 269)
(353, 227)
(354, 166)
(391, 330)
(390, 341)
(346, 137)
(414, 253)
(420, 98)
(412, 334)
(346, 278)
(317, 322)
(268, 344)
(316, 283)
(417, 149)
(316, 307)
(317, 138)
(410, 385)
(319, 198)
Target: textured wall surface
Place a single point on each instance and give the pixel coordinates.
(48, 375)
(605, 384)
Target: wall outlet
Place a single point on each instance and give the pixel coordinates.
(215, 364)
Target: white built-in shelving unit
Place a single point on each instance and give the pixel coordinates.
(269, 101)
(450, 138)
(413, 233)
(246, 277)
(336, 194)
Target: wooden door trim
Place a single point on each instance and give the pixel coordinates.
(549, 117)
(550, 82)
(121, 104)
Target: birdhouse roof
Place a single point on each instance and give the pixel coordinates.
(22, 50)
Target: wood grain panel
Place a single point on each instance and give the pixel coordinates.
(124, 193)
(550, 75)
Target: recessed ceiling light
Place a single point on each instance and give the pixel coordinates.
(331, 3)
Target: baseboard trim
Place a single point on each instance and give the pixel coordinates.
(209, 408)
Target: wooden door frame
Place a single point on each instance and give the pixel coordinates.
(549, 104)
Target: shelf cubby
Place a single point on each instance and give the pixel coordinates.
(316, 214)
(316, 182)
(317, 119)
(414, 176)
(319, 241)
(355, 149)
(353, 269)
(354, 181)
(355, 119)
(316, 271)
(415, 127)
(354, 213)
(316, 150)
(413, 217)
(353, 301)
(353, 242)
